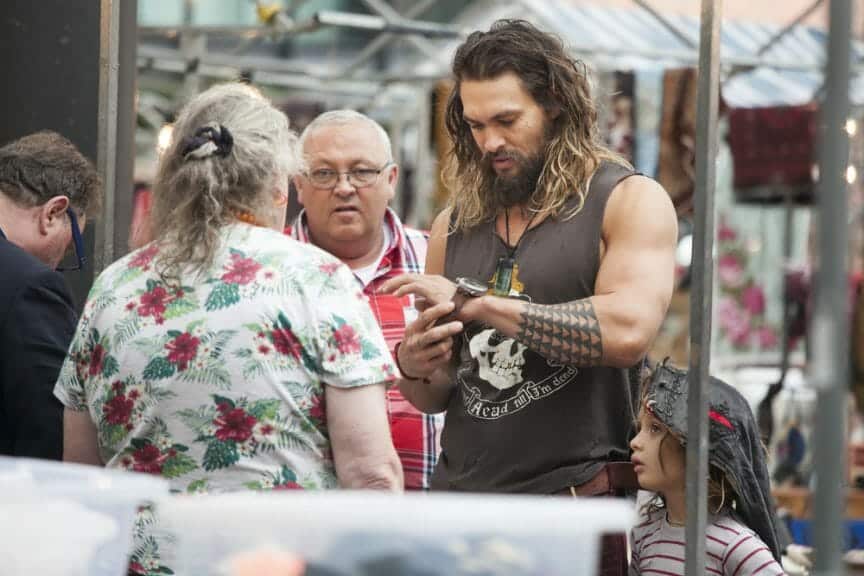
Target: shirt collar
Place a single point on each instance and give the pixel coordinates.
(393, 255)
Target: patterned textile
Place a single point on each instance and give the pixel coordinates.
(416, 436)
(217, 382)
(731, 548)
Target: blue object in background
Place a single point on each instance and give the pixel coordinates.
(801, 531)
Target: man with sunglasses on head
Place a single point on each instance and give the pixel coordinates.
(349, 180)
(47, 190)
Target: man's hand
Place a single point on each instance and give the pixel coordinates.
(425, 346)
(429, 290)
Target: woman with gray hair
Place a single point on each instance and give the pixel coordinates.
(223, 355)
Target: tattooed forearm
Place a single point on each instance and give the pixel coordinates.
(568, 333)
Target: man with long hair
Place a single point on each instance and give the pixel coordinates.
(547, 277)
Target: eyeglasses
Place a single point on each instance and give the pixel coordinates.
(326, 179)
(78, 242)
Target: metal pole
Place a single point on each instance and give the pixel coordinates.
(789, 27)
(830, 335)
(106, 146)
(126, 116)
(700, 297)
(674, 30)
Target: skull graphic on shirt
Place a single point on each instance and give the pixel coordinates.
(500, 359)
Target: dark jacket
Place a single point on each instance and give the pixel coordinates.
(37, 322)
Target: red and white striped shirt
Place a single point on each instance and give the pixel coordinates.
(416, 436)
(731, 549)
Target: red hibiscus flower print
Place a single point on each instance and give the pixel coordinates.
(136, 568)
(329, 268)
(347, 340)
(240, 270)
(143, 258)
(318, 410)
(288, 486)
(96, 360)
(153, 303)
(148, 459)
(118, 410)
(234, 425)
(182, 350)
(286, 342)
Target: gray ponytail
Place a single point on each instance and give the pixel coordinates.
(231, 148)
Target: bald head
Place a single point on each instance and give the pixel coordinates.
(345, 118)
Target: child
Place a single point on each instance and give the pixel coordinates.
(741, 535)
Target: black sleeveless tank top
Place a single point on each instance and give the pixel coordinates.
(515, 421)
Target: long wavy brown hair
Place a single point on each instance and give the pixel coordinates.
(557, 82)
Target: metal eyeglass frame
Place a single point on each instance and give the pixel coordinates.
(349, 175)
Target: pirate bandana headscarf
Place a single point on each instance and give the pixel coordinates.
(735, 445)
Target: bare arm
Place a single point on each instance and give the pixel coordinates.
(616, 326)
(360, 437)
(427, 349)
(80, 443)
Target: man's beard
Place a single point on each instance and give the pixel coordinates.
(504, 191)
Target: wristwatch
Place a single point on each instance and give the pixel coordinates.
(471, 287)
(465, 288)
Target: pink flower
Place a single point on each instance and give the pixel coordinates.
(734, 321)
(740, 335)
(240, 270)
(347, 340)
(235, 425)
(182, 350)
(329, 268)
(118, 410)
(730, 271)
(767, 337)
(753, 299)
(726, 233)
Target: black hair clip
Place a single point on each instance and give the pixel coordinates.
(221, 139)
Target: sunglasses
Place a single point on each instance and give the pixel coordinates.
(78, 242)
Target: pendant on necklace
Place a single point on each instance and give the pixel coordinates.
(506, 282)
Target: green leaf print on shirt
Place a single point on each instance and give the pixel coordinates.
(220, 455)
(236, 428)
(222, 296)
(158, 368)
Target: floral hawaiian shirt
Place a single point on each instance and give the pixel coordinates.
(216, 382)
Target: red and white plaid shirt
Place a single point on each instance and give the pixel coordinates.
(416, 436)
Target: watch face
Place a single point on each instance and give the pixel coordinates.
(471, 286)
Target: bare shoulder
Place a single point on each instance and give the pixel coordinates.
(438, 242)
(441, 224)
(640, 205)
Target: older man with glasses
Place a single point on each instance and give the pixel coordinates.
(349, 181)
(47, 189)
